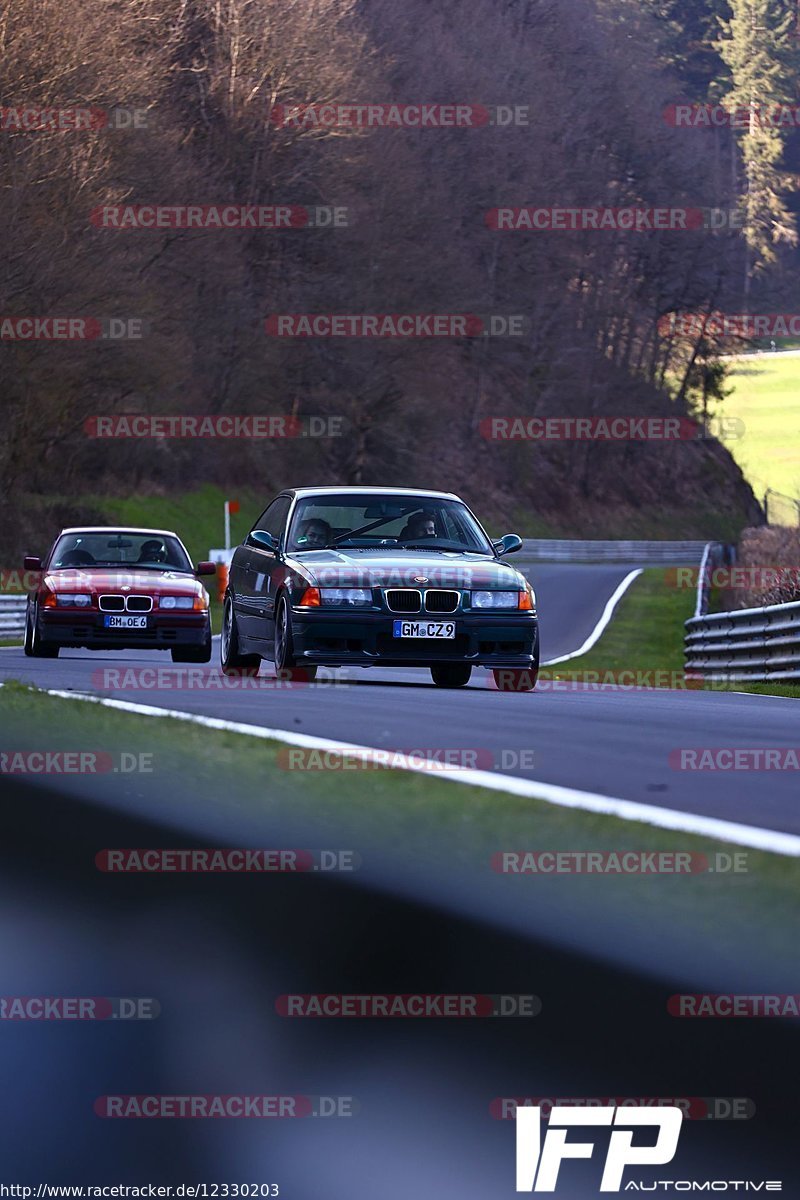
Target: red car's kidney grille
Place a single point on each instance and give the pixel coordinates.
(111, 603)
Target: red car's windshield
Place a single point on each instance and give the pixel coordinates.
(113, 549)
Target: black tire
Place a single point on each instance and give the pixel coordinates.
(231, 660)
(451, 675)
(34, 646)
(27, 643)
(193, 654)
(514, 679)
(286, 667)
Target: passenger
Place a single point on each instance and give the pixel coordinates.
(421, 525)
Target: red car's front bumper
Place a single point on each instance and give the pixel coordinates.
(88, 629)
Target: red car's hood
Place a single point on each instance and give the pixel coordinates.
(152, 583)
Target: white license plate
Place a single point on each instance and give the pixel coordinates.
(125, 622)
(424, 629)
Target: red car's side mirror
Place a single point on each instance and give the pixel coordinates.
(32, 563)
(206, 568)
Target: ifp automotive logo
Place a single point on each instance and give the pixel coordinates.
(538, 1164)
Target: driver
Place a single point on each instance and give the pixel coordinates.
(153, 551)
(314, 534)
(421, 525)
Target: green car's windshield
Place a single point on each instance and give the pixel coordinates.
(380, 522)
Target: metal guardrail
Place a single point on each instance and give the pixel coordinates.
(680, 554)
(756, 644)
(12, 615)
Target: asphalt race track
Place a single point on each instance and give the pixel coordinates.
(217, 950)
(610, 740)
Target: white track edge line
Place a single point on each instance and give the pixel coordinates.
(606, 616)
(769, 840)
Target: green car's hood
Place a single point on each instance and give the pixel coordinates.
(404, 568)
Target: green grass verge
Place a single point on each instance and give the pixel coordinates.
(766, 396)
(424, 825)
(645, 636)
(197, 517)
(789, 690)
(646, 631)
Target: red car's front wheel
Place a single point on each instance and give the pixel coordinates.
(33, 645)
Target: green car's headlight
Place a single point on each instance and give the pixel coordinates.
(495, 599)
(346, 597)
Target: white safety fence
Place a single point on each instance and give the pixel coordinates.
(12, 616)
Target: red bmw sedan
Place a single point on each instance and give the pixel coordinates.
(119, 589)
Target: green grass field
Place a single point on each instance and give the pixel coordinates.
(766, 396)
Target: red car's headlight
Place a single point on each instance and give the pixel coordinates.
(183, 602)
(68, 600)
